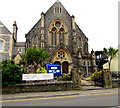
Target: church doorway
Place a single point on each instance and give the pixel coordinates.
(63, 58)
(57, 62)
(64, 66)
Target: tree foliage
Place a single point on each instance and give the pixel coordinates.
(11, 73)
(97, 77)
(105, 56)
(110, 53)
(100, 59)
(34, 56)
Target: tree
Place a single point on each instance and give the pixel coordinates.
(100, 59)
(11, 73)
(110, 53)
(34, 56)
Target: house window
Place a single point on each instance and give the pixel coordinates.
(1, 45)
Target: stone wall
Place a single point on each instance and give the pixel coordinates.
(39, 87)
(115, 83)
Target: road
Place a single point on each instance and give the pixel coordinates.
(90, 99)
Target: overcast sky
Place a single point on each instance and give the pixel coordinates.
(98, 19)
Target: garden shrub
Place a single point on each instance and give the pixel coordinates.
(41, 70)
(65, 77)
(11, 73)
(97, 77)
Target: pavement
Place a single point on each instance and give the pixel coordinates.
(87, 90)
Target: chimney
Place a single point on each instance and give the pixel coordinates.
(15, 28)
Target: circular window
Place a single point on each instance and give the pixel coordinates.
(61, 54)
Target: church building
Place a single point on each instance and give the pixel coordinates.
(58, 33)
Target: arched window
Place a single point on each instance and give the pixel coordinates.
(1, 45)
(61, 34)
(58, 33)
(61, 54)
(54, 37)
(35, 40)
(86, 47)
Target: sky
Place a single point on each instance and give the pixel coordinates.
(98, 19)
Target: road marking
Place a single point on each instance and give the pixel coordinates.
(59, 97)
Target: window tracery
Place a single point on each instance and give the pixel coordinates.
(61, 54)
(57, 33)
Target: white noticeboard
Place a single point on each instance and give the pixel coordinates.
(32, 77)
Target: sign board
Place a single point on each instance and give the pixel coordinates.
(32, 77)
(54, 68)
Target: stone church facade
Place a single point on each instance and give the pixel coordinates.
(58, 33)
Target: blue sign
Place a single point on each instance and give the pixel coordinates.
(54, 68)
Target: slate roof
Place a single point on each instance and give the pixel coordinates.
(3, 29)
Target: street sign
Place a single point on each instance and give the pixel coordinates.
(54, 68)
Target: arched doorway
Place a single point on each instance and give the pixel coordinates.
(57, 62)
(63, 58)
(65, 67)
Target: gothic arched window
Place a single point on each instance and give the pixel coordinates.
(58, 33)
(35, 40)
(86, 47)
(54, 37)
(61, 34)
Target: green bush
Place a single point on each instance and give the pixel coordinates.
(97, 77)
(41, 70)
(11, 73)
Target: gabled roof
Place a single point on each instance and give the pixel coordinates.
(3, 29)
(81, 31)
(57, 3)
